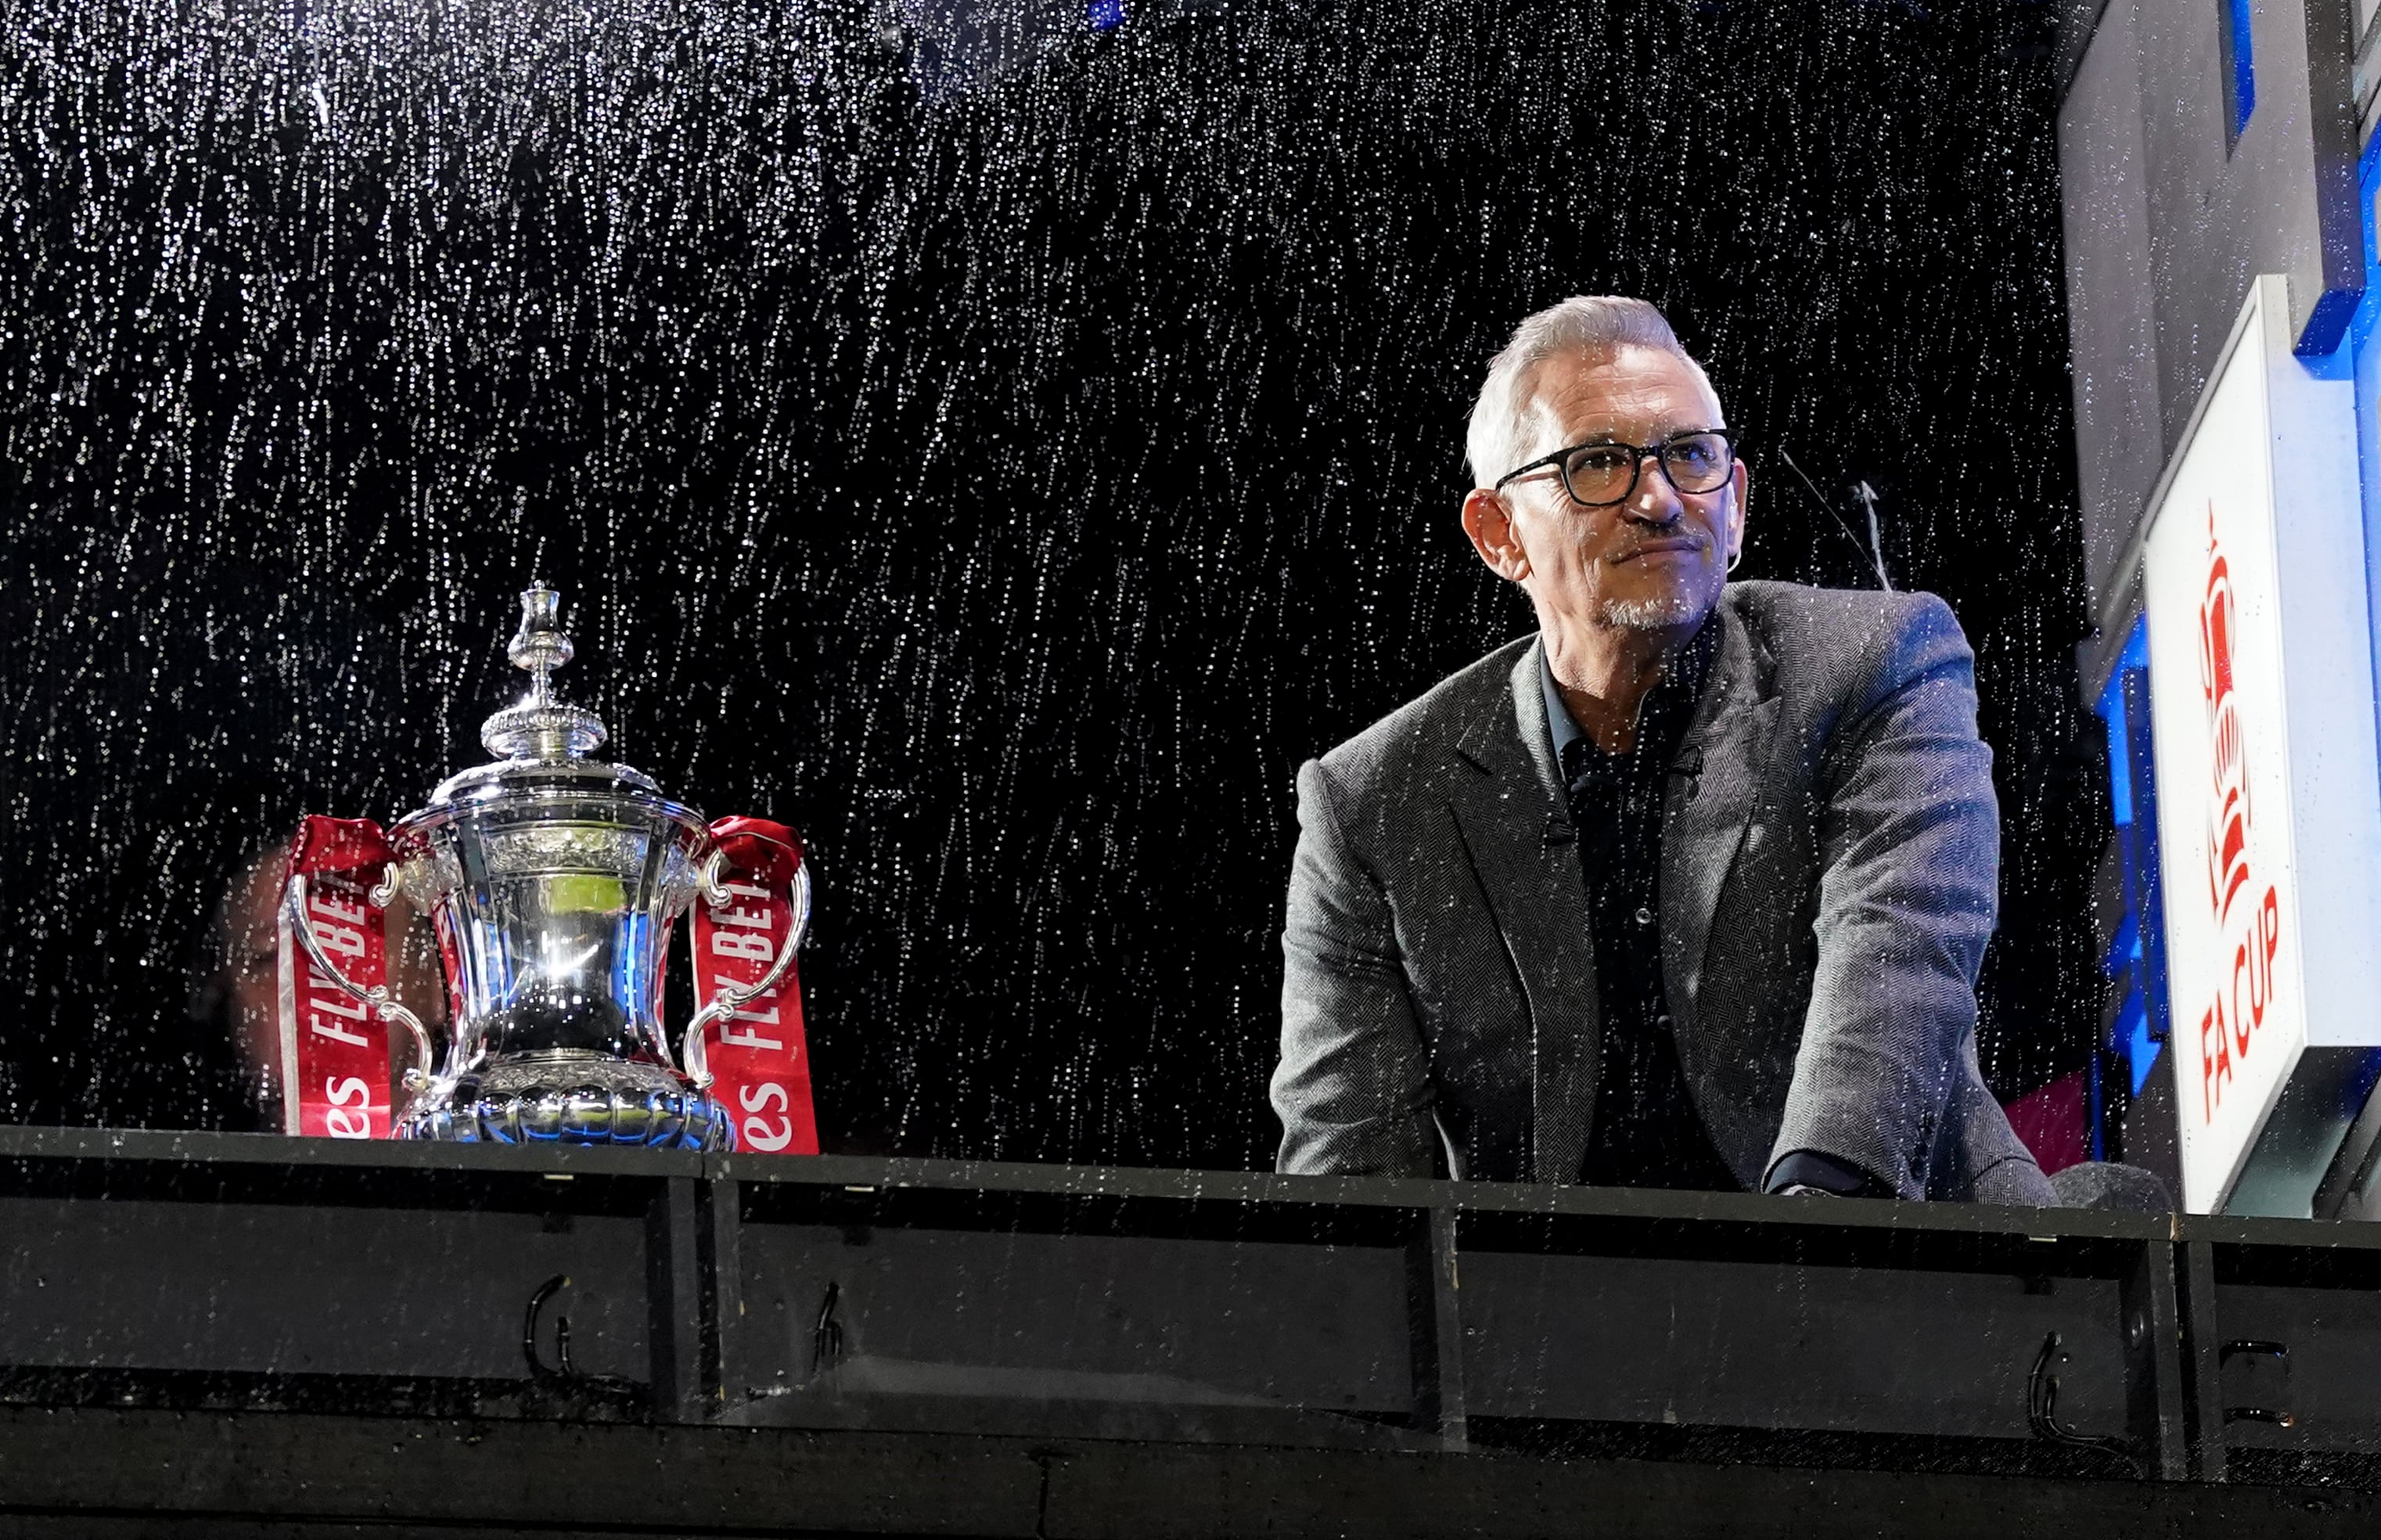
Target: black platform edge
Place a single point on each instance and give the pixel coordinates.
(103, 1474)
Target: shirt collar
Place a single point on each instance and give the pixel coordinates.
(1559, 725)
(1683, 668)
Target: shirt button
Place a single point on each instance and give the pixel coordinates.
(1645, 916)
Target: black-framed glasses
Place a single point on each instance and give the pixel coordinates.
(1603, 472)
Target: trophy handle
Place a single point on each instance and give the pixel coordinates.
(731, 998)
(293, 900)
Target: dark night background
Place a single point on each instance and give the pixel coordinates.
(1006, 459)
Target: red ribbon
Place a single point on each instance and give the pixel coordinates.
(338, 845)
(770, 852)
(335, 1070)
(759, 1055)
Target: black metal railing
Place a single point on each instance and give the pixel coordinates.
(578, 1308)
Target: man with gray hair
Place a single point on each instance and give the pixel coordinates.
(1687, 889)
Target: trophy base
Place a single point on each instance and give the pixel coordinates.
(571, 1099)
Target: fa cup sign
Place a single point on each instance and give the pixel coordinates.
(552, 880)
(2268, 793)
(2246, 910)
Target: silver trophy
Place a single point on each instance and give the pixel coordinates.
(553, 882)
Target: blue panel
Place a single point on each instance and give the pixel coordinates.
(2239, 69)
(1105, 16)
(2111, 710)
(2134, 1040)
(2144, 881)
(2136, 961)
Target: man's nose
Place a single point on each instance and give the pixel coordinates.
(1653, 500)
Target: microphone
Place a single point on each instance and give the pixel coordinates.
(1873, 553)
(1867, 496)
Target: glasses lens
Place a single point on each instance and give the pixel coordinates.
(1599, 472)
(1697, 462)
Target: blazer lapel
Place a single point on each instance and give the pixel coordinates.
(1514, 816)
(1722, 757)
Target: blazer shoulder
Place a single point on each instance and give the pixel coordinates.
(1409, 742)
(1839, 635)
(1797, 612)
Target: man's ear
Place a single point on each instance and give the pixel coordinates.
(1490, 524)
(1736, 512)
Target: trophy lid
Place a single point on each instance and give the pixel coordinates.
(540, 739)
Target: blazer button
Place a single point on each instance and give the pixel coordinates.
(1645, 916)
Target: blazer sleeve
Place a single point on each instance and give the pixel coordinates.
(1353, 1086)
(1910, 860)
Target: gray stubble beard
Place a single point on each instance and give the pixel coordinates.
(1648, 615)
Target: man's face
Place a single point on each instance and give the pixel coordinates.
(1655, 561)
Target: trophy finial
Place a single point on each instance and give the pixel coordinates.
(541, 726)
(541, 646)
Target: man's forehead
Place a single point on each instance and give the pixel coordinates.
(1628, 392)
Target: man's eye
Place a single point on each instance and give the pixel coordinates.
(1602, 456)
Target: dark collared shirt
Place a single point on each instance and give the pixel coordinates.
(1647, 1132)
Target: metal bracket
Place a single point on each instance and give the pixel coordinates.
(2041, 1408)
(563, 1375)
(2251, 1347)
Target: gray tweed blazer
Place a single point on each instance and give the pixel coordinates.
(1830, 856)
